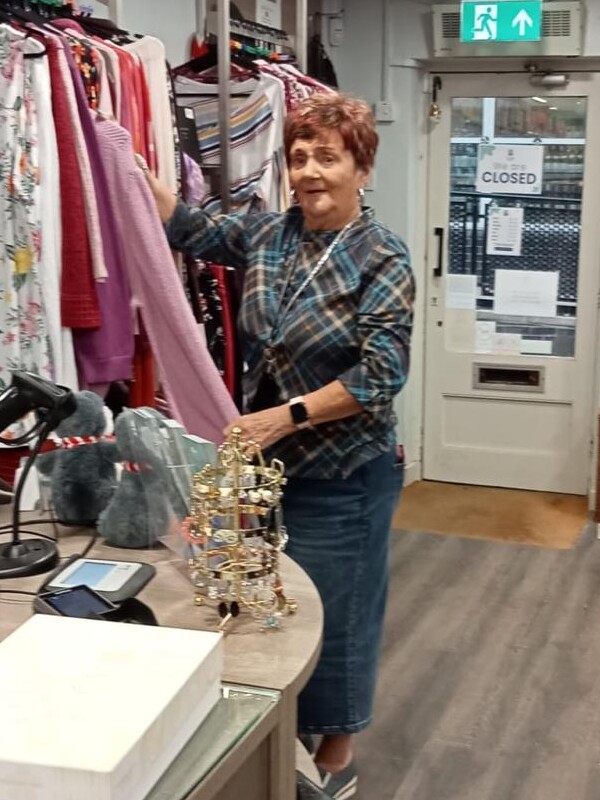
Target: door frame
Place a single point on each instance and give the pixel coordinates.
(496, 72)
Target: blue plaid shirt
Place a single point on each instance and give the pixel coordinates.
(352, 322)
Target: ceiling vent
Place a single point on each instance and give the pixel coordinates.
(562, 34)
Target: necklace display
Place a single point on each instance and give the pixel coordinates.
(236, 530)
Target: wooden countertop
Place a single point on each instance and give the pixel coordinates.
(282, 659)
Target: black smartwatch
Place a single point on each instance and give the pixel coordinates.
(299, 413)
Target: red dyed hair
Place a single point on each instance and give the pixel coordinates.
(351, 118)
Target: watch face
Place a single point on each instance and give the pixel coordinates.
(298, 412)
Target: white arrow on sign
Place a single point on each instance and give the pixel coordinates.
(522, 20)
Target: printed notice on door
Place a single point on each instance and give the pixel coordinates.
(510, 169)
(525, 294)
(505, 231)
(461, 291)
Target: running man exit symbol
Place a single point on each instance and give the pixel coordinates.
(486, 23)
(502, 21)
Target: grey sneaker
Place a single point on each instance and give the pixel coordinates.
(307, 790)
(340, 785)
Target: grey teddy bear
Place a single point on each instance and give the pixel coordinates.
(140, 512)
(83, 478)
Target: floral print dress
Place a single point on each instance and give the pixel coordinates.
(24, 343)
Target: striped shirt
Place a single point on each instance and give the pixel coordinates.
(352, 322)
(256, 142)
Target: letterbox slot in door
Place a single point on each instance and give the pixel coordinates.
(509, 378)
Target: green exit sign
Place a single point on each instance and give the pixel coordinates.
(502, 21)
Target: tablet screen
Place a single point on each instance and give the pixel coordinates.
(89, 574)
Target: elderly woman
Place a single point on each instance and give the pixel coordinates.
(325, 327)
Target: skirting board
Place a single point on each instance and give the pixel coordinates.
(412, 473)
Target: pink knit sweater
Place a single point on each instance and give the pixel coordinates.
(195, 391)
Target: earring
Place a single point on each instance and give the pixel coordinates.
(361, 193)
(293, 198)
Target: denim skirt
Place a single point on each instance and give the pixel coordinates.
(339, 534)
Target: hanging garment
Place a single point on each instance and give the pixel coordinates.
(113, 75)
(152, 54)
(232, 360)
(256, 144)
(79, 302)
(310, 84)
(65, 56)
(191, 284)
(89, 198)
(104, 354)
(196, 186)
(105, 99)
(97, 359)
(128, 115)
(211, 310)
(88, 62)
(24, 342)
(193, 388)
(146, 133)
(297, 85)
(64, 370)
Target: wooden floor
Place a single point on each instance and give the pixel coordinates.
(490, 678)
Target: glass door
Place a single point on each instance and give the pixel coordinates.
(545, 225)
(513, 284)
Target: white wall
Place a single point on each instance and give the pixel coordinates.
(172, 21)
(398, 194)
(592, 23)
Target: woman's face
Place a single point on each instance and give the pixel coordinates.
(326, 180)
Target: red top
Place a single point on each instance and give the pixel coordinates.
(79, 302)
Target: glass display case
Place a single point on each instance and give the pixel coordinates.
(238, 712)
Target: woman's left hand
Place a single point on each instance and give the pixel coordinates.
(264, 427)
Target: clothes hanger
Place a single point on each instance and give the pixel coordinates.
(24, 10)
(210, 59)
(104, 29)
(20, 15)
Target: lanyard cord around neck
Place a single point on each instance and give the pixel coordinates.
(283, 310)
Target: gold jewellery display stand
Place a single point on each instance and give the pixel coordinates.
(236, 529)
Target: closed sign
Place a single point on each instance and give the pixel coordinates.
(510, 169)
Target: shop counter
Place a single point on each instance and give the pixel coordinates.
(246, 748)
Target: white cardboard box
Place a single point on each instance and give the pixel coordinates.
(97, 710)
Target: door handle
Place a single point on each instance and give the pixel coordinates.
(439, 268)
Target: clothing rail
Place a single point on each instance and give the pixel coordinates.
(115, 13)
(224, 54)
(224, 60)
(302, 33)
